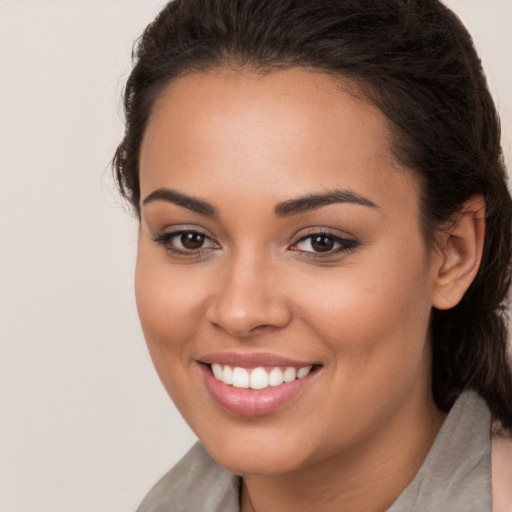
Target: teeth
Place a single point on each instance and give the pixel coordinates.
(303, 371)
(290, 374)
(275, 377)
(240, 378)
(258, 378)
(217, 371)
(227, 375)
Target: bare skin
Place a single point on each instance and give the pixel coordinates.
(225, 264)
(501, 469)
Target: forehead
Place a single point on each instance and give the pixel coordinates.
(284, 133)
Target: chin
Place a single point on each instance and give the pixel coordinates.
(258, 453)
(250, 463)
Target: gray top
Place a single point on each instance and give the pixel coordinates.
(455, 476)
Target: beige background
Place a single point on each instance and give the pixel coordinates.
(84, 422)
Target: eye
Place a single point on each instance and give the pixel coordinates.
(324, 244)
(190, 240)
(186, 242)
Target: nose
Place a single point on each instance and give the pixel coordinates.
(248, 300)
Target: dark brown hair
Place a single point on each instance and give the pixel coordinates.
(414, 60)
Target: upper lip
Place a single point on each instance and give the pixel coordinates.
(252, 359)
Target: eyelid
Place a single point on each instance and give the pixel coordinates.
(165, 238)
(346, 243)
(181, 228)
(320, 230)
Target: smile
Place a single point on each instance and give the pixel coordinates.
(258, 378)
(255, 384)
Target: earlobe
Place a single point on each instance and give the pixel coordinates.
(460, 253)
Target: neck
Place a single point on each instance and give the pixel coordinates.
(368, 476)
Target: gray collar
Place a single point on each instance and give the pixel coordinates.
(456, 475)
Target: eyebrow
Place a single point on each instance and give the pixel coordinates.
(285, 209)
(315, 201)
(191, 203)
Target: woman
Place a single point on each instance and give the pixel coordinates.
(324, 255)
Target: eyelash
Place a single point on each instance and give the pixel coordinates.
(345, 245)
(165, 239)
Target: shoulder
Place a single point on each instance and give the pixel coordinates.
(501, 457)
(197, 482)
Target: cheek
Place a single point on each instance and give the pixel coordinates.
(373, 316)
(374, 327)
(167, 302)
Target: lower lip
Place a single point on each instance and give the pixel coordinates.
(253, 402)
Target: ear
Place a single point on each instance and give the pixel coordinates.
(459, 254)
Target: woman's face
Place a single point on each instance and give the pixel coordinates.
(278, 232)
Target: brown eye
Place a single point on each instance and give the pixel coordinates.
(192, 241)
(186, 243)
(322, 243)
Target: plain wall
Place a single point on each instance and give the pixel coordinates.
(84, 423)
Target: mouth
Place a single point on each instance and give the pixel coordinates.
(255, 386)
(260, 377)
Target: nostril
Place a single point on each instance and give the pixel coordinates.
(256, 318)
